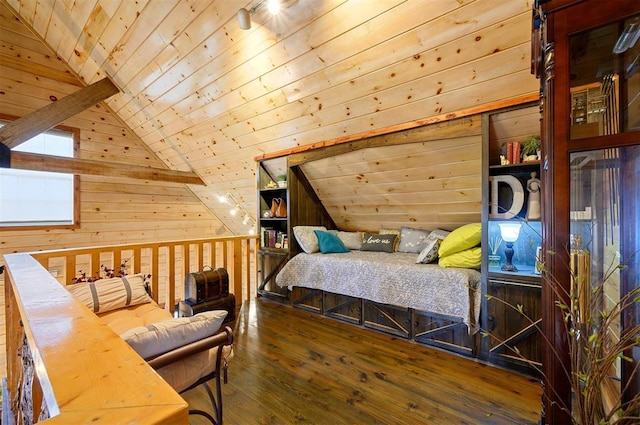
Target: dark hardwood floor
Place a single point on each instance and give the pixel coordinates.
(293, 367)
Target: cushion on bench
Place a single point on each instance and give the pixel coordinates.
(179, 375)
(123, 319)
(109, 294)
(160, 337)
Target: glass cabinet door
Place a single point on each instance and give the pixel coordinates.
(604, 197)
(605, 80)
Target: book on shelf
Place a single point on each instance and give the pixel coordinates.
(273, 238)
(273, 233)
(514, 152)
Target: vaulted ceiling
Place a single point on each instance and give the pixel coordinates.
(206, 96)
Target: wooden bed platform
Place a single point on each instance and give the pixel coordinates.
(428, 328)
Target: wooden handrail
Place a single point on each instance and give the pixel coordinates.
(167, 262)
(81, 370)
(63, 361)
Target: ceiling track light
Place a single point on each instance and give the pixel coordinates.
(244, 15)
(238, 210)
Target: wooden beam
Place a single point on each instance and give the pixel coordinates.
(58, 164)
(442, 130)
(23, 129)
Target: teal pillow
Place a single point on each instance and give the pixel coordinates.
(330, 242)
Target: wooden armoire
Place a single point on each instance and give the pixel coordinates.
(587, 56)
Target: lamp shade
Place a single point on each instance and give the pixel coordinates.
(509, 231)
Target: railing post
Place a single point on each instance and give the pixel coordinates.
(237, 271)
(172, 275)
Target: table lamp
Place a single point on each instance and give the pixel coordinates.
(509, 233)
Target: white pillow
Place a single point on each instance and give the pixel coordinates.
(110, 294)
(160, 337)
(352, 240)
(307, 239)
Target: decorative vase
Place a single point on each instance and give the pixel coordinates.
(494, 260)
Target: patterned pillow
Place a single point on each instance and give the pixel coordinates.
(380, 243)
(307, 240)
(440, 233)
(160, 337)
(392, 232)
(429, 253)
(110, 294)
(412, 240)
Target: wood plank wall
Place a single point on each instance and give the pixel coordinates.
(113, 210)
(207, 95)
(432, 182)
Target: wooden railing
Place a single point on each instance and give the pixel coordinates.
(64, 365)
(167, 262)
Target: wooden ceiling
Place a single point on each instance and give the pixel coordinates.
(205, 96)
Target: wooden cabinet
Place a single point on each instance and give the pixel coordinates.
(514, 314)
(589, 68)
(511, 197)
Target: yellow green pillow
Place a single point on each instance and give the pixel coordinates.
(464, 237)
(468, 259)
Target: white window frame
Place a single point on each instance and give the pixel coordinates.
(46, 223)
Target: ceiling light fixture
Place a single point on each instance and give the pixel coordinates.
(244, 15)
(238, 211)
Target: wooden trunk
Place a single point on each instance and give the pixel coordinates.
(188, 308)
(206, 285)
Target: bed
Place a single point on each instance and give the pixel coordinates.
(416, 284)
(393, 279)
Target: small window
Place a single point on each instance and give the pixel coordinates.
(34, 199)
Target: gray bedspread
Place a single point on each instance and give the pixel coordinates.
(389, 279)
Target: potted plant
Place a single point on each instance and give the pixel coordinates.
(596, 346)
(282, 180)
(531, 148)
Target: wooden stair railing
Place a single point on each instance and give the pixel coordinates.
(167, 262)
(65, 366)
